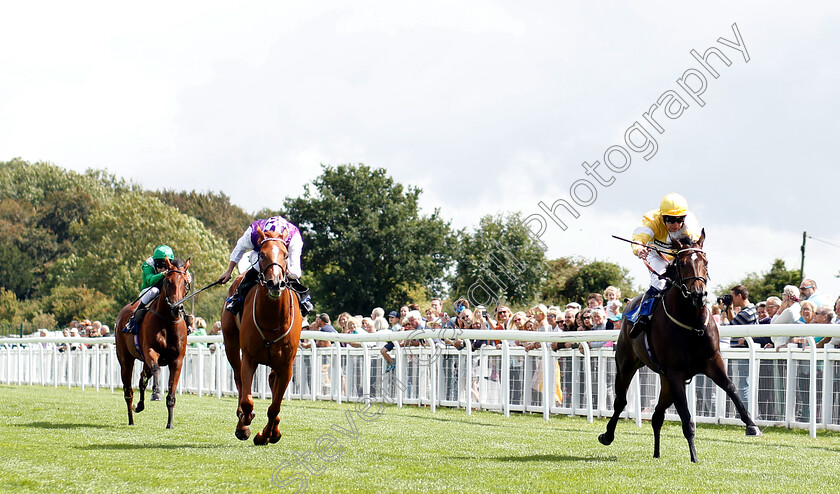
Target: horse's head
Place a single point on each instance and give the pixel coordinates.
(689, 269)
(176, 281)
(273, 257)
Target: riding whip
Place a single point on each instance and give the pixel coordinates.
(194, 294)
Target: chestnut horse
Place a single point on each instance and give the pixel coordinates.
(684, 342)
(267, 332)
(162, 338)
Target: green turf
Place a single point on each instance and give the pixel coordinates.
(59, 440)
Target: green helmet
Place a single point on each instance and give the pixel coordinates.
(163, 251)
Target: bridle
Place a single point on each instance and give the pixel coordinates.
(282, 285)
(683, 283)
(173, 308)
(261, 279)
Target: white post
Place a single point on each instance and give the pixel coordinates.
(548, 389)
(468, 386)
(505, 377)
(812, 385)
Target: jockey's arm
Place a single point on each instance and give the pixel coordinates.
(225, 277)
(243, 245)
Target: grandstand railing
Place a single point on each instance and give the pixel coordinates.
(793, 387)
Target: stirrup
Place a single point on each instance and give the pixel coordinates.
(232, 304)
(306, 306)
(130, 326)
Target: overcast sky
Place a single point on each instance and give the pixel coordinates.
(488, 107)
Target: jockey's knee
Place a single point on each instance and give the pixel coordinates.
(150, 294)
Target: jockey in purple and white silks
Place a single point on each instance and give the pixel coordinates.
(248, 243)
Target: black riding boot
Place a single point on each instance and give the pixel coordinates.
(235, 301)
(133, 324)
(304, 295)
(643, 321)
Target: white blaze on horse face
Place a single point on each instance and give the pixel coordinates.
(694, 256)
(274, 272)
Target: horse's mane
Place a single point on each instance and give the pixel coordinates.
(179, 263)
(682, 242)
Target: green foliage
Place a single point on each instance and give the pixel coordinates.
(17, 271)
(498, 261)
(572, 279)
(9, 305)
(39, 203)
(215, 210)
(365, 242)
(765, 284)
(60, 228)
(558, 273)
(121, 235)
(68, 303)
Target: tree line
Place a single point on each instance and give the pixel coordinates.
(71, 245)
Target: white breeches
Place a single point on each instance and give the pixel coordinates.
(149, 294)
(659, 264)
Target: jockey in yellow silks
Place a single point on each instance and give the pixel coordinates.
(672, 220)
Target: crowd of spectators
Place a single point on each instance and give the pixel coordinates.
(602, 312)
(796, 305)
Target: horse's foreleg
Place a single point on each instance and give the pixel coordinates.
(230, 335)
(279, 381)
(717, 373)
(126, 372)
(677, 386)
(145, 375)
(174, 376)
(273, 413)
(625, 370)
(665, 400)
(245, 412)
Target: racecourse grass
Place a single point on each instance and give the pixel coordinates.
(60, 440)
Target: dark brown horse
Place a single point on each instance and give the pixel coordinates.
(162, 338)
(267, 332)
(683, 338)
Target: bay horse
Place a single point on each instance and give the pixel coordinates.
(267, 332)
(162, 338)
(684, 341)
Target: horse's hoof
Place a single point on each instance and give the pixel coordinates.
(155, 396)
(243, 434)
(260, 440)
(274, 439)
(753, 430)
(139, 407)
(604, 440)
